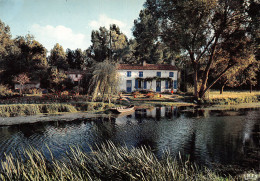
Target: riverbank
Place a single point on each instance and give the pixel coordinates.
(226, 100)
(107, 162)
(14, 110)
(9, 121)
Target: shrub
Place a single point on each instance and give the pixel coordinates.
(150, 95)
(5, 92)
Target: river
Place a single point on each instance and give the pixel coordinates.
(212, 138)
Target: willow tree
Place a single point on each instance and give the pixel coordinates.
(104, 81)
(197, 27)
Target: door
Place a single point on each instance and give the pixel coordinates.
(158, 86)
(129, 86)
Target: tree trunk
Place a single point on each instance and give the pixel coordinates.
(251, 88)
(95, 91)
(222, 88)
(195, 80)
(20, 90)
(220, 75)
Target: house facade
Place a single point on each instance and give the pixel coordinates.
(154, 77)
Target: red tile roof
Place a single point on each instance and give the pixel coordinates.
(146, 67)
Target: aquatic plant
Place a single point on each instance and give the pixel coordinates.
(33, 109)
(106, 162)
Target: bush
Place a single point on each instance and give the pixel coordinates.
(34, 91)
(5, 92)
(150, 95)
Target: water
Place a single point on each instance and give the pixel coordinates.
(208, 137)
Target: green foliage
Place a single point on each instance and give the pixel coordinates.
(203, 31)
(58, 57)
(108, 162)
(25, 55)
(107, 44)
(75, 58)
(148, 46)
(57, 77)
(5, 92)
(104, 81)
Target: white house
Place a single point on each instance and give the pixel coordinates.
(155, 77)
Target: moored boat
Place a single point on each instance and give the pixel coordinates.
(123, 109)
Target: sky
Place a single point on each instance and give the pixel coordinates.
(67, 22)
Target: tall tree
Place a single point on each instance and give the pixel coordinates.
(76, 59)
(56, 78)
(28, 56)
(198, 27)
(58, 57)
(149, 46)
(6, 42)
(108, 44)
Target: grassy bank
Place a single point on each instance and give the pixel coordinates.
(34, 109)
(107, 163)
(231, 98)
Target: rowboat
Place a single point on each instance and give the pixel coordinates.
(123, 109)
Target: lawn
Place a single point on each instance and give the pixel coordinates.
(231, 94)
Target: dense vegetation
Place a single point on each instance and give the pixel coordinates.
(214, 43)
(107, 162)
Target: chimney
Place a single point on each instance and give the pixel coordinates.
(144, 63)
(173, 62)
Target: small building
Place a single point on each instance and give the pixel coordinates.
(154, 77)
(28, 85)
(76, 75)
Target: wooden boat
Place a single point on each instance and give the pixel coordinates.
(123, 109)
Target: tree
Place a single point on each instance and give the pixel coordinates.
(149, 46)
(27, 56)
(58, 57)
(197, 28)
(104, 80)
(8, 50)
(56, 78)
(76, 59)
(22, 79)
(241, 74)
(108, 44)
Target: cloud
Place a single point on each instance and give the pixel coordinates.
(49, 35)
(104, 20)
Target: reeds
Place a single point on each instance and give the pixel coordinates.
(108, 162)
(33, 109)
(12, 110)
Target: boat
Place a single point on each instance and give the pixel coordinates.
(123, 109)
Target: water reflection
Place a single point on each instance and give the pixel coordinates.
(208, 137)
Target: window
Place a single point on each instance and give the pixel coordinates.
(128, 73)
(175, 84)
(158, 74)
(141, 74)
(171, 74)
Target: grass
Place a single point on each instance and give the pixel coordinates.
(231, 98)
(108, 162)
(232, 94)
(12, 110)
